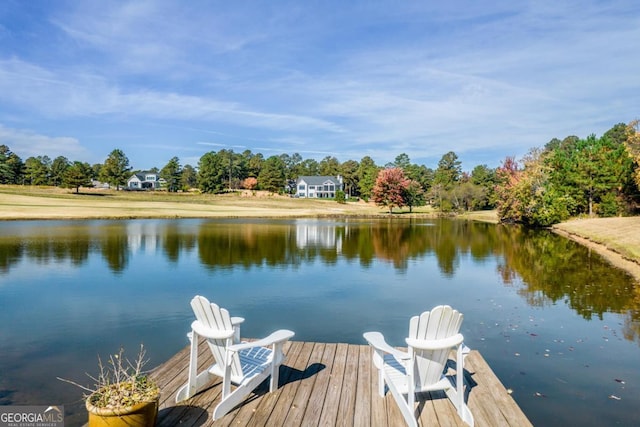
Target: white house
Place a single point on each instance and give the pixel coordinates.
(144, 181)
(319, 187)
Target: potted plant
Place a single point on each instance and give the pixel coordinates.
(123, 394)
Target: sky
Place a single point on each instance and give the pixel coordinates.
(349, 79)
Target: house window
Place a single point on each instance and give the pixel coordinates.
(312, 187)
(301, 187)
(150, 178)
(331, 187)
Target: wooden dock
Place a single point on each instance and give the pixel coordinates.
(325, 384)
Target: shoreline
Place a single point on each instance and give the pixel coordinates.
(615, 239)
(614, 258)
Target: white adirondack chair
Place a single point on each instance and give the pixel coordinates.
(245, 365)
(432, 335)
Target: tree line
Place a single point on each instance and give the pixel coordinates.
(572, 177)
(565, 178)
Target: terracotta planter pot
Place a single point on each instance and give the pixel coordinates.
(141, 415)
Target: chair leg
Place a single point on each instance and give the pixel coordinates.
(408, 410)
(381, 385)
(460, 377)
(192, 388)
(231, 400)
(194, 381)
(275, 377)
(277, 358)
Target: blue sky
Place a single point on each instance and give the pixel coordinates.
(160, 79)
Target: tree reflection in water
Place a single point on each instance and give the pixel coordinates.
(546, 268)
(545, 312)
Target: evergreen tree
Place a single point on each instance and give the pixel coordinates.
(309, 167)
(95, 170)
(11, 166)
(292, 167)
(188, 178)
(37, 170)
(272, 175)
(235, 168)
(329, 166)
(421, 174)
(588, 170)
(6, 174)
(367, 175)
(484, 177)
(402, 161)
(449, 171)
(253, 163)
(617, 134)
(58, 168)
(212, 173)
(414, 195)
(172, 173)
(116, 169)
(349, 173)
(77, 175)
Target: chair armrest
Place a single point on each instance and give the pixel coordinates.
(376, 340)
(440, 344)
(209, 333)
(276, 337)
(235, 323)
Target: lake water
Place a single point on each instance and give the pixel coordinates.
(558, 325)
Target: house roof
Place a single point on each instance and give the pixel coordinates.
(142, 176)
(318, 180)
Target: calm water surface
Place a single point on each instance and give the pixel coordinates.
(558, 325)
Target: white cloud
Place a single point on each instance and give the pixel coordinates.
(39, 90)
(422, 78)
(26, 143)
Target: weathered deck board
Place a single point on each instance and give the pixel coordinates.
(329, 412)
(379, 407)
(362, 412)
(329, 384)
(319, 391)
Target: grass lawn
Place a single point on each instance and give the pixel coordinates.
(18, 202)
(620, 235)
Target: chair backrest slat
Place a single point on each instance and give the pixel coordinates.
(212, 316)
(440, 322)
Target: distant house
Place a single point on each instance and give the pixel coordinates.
(100, 184)
(318, 187)
(144, 181)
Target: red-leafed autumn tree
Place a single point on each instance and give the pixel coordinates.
(389, 188)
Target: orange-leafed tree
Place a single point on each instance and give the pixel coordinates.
(389, 189)
(250, 183)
